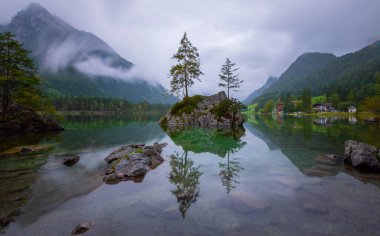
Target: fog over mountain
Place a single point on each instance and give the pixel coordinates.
(56, 45)
(78, 63)
(262, 37)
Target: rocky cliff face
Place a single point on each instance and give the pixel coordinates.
(212, 111)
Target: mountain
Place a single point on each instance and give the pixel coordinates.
(293, 79)
(354, 73)
(77, 63)
(271, 80)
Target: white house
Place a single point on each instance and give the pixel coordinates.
(352, 109)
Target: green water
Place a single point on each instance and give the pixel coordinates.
(250, 181)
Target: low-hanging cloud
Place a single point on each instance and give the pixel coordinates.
(262, 37)
(80, 52)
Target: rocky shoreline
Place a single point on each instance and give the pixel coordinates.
(21, 119)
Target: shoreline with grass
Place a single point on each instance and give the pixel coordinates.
(360, 115)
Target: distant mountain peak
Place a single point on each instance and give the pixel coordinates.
(36, 17)
(34, 7)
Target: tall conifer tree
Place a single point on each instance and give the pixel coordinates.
(187, 68)
(229, 79)
(18, 81)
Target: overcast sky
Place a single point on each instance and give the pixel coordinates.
(262, 37)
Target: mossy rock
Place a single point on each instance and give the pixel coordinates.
(187, 105)
(25, 150)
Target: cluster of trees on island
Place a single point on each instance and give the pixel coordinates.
(188, 69)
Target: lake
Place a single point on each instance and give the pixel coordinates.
(260, 180)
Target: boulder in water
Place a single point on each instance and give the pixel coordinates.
(132, 162)
(362, 156)
(70, 160)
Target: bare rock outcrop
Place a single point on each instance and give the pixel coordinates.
(212, 111)
(132, 162)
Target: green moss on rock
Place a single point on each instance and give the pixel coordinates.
(187, 105)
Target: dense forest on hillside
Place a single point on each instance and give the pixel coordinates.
(71, 83)
(106, 105)
(352, 78)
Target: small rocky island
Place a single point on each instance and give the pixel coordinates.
(212, 111)
(20, 119)
(132, 162)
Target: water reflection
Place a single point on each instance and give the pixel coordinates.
(17, 174)
(229, 172)
(304, 140)
(207, 140)
(7, 142)
(97, 132)
(222, 142)
(33, 185)
(185, 176)
(272, 196)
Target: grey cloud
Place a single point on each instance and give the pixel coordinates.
(262, 37)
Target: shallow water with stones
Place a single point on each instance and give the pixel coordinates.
(252, 181)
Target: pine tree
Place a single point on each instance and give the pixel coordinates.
(187, 70)
(306, 100)
(18, 80)
(229, 78)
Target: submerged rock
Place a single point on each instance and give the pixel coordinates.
(82, 228)
(315, 208)
(362, 156)
(290, 182)
(132, 162)
(246, 203)
(209, 111)
(328, 159)
(70, 160)
(313, 204)
(318, 172)
(25, 150)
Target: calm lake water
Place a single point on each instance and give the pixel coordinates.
(260, 180)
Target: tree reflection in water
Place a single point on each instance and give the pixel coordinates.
(185, 176)
(229, 172)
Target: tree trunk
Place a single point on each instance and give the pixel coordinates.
(5, 102)
(228, 87)
(186, 93)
